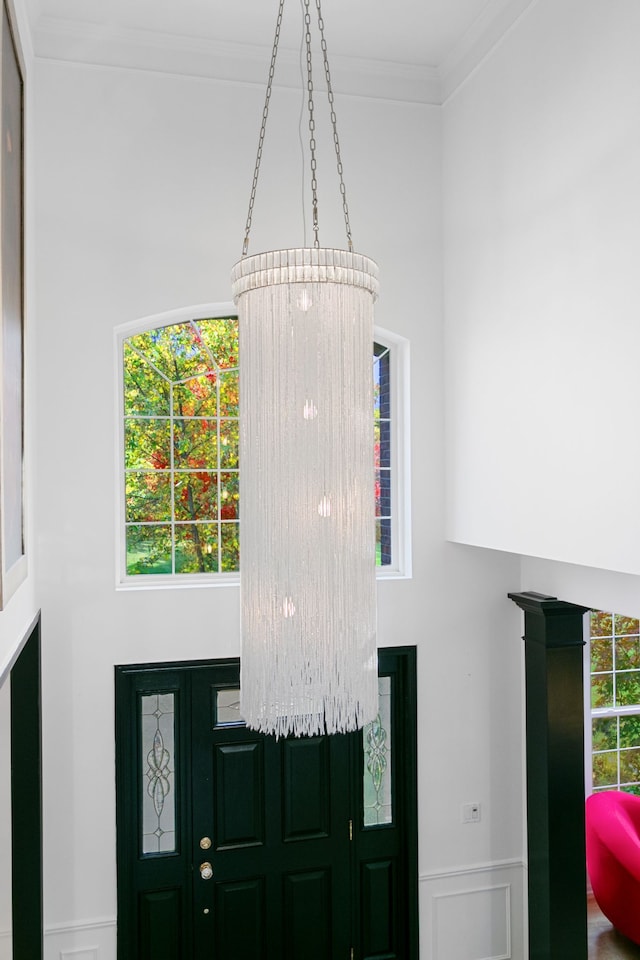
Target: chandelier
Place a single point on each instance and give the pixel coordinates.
(307, 531)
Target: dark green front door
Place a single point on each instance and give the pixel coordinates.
(235, 846)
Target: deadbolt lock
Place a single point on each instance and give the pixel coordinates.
(206, 870)
(205, 843)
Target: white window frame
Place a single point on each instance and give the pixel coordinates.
(400, 567)
(591, 713)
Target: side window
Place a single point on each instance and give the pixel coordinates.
(615, 702)
(180, 488)
(382, 452)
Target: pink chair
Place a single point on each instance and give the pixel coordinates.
(613, 858)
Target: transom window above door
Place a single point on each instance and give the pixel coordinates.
(179, 457)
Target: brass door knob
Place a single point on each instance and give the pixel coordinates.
(206, 870)
(205, 843)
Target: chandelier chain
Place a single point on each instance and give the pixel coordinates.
(334, 125)
(312, 126)
(263, 127)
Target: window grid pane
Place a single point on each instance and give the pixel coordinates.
(228, 707)
(615, 701)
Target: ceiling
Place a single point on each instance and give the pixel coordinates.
(417, 41)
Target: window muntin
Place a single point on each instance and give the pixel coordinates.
(615, 701)
(180, 434)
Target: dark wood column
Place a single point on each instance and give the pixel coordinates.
(553, 638)
(26, 800)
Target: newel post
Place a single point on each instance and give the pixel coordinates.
(554, 640)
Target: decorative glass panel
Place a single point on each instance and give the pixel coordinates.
(377, 761)
(228, 707)
(158, 739)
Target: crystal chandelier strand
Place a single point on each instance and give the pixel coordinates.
(308, 595)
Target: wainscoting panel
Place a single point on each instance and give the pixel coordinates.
(5, 945)
(91, 954)
(474, 913)
(91, 940)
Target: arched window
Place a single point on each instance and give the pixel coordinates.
(180, 494)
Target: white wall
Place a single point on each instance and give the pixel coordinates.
(542, 206)
(142, 187)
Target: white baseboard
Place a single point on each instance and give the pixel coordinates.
(473, 913)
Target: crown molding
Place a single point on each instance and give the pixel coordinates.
(55, 38)
(497, 19)
(83, 42)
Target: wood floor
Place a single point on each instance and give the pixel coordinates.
(605, 943)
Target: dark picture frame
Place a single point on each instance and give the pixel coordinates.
(13, 559)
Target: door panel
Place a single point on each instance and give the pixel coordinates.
(239, 795)
(379, 923)
(268, 849)
(239, 929)
(307, 906)
(307, 777)
(160, 923)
